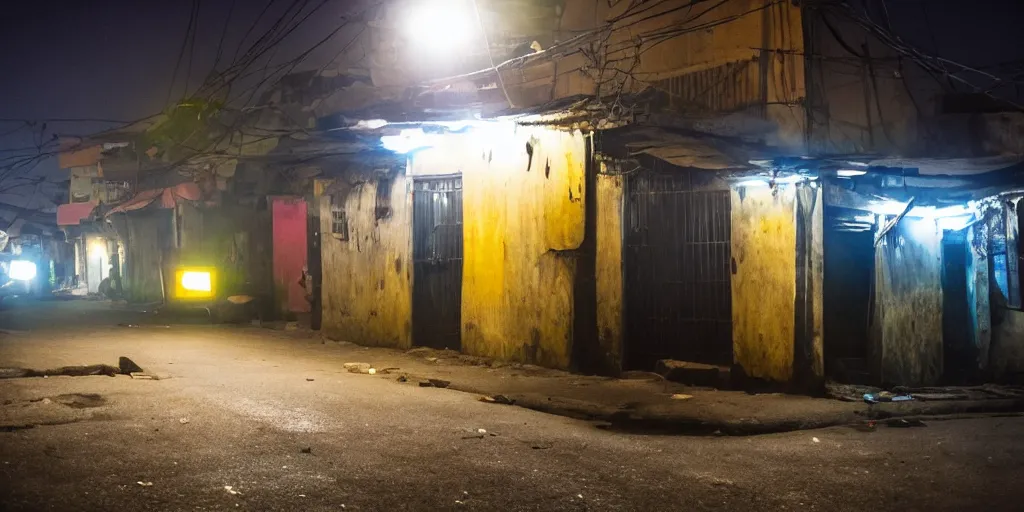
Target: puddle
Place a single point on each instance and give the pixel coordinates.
(80, 400)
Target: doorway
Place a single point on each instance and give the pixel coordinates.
(678, 300)
(437, 263)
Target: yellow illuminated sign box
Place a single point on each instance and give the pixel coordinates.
(195, 283)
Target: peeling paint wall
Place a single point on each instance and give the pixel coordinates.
(764, 281)
(523, 218)
(1007, 363)
(809, 349)
(908, 304)
(609, 268)
(367, 280)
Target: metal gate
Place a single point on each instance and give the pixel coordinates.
(437, 263)
(677, 271)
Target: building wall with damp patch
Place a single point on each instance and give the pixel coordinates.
(609, 270)
(523, 220)
(764, 281)
(367, 280)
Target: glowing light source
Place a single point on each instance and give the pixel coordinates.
(22, 270)
(194, 283)
(752, 183)
(409, 140)
(440, 26)
(849, 173)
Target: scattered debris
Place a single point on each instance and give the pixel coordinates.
(145, 484)
(183, 421)
(401, 378)
(481, 431)
(438, 383)
(498, 399)
(46, 401)
(541, 446)
(306, 450)
(385, 371)
(308, 379)
(142, 376)
(291, 326)
(905, 423)
(681, 396)
(432, 359)
(425, 384)
(357, 367)
(815, 439)
(885, 396)
(371, 371)
(231, 490)
(127, 366)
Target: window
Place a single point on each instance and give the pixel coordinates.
(383, 199)
(339, 221)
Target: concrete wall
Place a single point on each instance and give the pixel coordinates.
(609, 268)
(523, 218)
(367, 280)
(763, 247)
(907, 330)
(1007, 362)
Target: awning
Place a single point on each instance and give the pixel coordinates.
(168, 197)
(72, 214)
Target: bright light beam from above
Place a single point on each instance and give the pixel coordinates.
(440, 26)
(22, 270)
(196, 281)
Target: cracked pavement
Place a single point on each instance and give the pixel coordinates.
(251, 419)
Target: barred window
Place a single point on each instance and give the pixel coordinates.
(339, 220)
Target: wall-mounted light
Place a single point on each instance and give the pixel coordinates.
(849, 173)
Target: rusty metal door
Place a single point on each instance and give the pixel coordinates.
(677, 270)
(437, 263)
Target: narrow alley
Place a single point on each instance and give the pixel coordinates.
(257, 419)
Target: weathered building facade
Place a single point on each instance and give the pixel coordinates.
(765, 186)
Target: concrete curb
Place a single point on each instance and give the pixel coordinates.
(643, 420)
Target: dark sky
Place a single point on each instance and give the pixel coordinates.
(115, 58)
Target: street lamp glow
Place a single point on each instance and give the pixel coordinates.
(440, 26)
(22, 270)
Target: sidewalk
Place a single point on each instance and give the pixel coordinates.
(650, 403)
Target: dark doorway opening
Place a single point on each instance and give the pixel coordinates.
(849, 262)
(959, 354)
(677, 277)
(437, 263)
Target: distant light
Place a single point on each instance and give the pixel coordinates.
(408, 140)
(955, 223)
(196, 281)
(752, 183)
(370, 124)
(440, 26)
(849, 173)
(22, 270)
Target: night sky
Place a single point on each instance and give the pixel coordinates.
(115, 59)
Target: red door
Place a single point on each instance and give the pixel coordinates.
(289, 253)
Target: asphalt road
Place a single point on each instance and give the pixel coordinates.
(261, 420)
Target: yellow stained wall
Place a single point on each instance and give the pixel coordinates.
(367, 280)
(764, 281)
(519, 216)
(609, 268)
